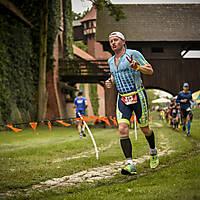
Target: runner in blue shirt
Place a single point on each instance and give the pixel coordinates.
(126, 67)
(80, 103)
(185, 98)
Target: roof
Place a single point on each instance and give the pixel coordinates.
(91, 15)
(152, 22)
(82, 54)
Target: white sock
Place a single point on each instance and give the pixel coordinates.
(129, 161)
(153, 151)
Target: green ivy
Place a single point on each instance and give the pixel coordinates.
(19, 58)
(53, 25)
(81, 45)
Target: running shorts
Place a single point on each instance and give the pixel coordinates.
(185, 113)
(141, 110)
(82, 112)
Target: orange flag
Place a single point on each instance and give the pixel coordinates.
(133, 118)
(85, 118)
(105, 119)
(34, 126)
(63, 123)
(113, 120)
(14, 129)
(94, 117)
(49, 124)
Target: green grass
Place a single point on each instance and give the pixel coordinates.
(27, 159)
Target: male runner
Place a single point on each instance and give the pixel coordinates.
(174, 113)
(80, 103)
(185, 98)
(126, 67)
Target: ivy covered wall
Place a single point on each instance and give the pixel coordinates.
(19, 58)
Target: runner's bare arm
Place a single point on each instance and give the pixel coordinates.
(109, 82)
(145, 69)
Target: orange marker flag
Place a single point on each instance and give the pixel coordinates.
(63, 123)
(49, 124)
(94, 117)
(113, 120)
(34, 126)
(105, 119)
(13, 128)
(85, 118)
(132, 118)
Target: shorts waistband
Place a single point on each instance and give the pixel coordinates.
(132, 93)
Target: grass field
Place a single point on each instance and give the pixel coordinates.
(59, 165)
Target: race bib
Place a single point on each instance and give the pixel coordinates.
(174, 111)
(128, 100)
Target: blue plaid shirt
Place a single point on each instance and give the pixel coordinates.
(127, 80)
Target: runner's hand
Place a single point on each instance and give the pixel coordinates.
(133, 63)
(184, 100)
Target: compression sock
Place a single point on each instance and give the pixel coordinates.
(151, 140)
(188, 127)
(184, 127)
(127, 148)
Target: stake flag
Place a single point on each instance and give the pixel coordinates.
(85, 118)
(105, 119)
(34, 126)
(113, 120)
(49, 124)
(63, 123)
(13, 128)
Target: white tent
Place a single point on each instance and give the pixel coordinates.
(161, 100)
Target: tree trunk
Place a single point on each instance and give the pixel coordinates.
(42, 91)
(68, 30)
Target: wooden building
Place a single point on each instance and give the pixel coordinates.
(163, 33)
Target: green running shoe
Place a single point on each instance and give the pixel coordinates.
(129, 170)
(154, 161)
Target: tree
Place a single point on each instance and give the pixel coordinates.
(42, 91)
(115, 10)
(78, 16)
(68, 29)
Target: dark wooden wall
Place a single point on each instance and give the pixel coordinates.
(170, 74)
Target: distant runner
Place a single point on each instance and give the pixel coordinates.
(126, 67)
(80, 103)
(174, 113)
(185, 98)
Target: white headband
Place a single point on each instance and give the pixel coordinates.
(117, 34)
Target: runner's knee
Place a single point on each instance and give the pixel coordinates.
(123, 130)
(146, 130)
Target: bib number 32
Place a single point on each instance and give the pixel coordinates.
(128, 100)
